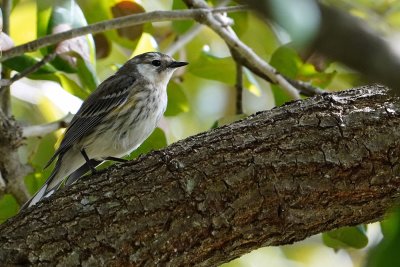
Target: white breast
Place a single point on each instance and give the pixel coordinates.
(135, 131)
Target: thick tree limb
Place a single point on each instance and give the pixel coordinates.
(274, 178)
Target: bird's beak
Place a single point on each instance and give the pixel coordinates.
(177, 64)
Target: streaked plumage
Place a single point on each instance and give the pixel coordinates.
(114, 120)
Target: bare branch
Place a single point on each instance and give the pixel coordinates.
(305, 88)
(239, 88)
(17, 187)
(247, 56)
(26, 72)
(189, 35)
(183, 40)
(116, 23)
(11, 168)
(43, 129)
(5, 95)
(6, 7)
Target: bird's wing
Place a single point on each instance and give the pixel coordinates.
(110, 94)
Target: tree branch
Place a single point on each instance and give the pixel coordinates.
(239, 89)
(6, 7)
(43, 129)
(273, 178)
(350, 41)
(27, 71)
(188, 35)
(183, 40)
(241, 52)
(11, 169)
(116, 23)
(5, 95)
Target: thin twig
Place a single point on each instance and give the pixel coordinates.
(305, 88)
(43, 129)
(116, 23)
(239, 88)
(247, 55)
(188, 35)
(27, 71)
(6, 7)
(183, 39)
(5, 95)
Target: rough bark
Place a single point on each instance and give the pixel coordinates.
(274, 178)
(12, 171)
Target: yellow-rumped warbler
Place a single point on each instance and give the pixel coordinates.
(113, 121)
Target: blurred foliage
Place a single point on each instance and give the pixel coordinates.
(346, 237)
(386, 253)
(200, 97)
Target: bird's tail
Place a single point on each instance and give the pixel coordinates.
(46, 190)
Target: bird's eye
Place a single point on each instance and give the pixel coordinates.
(156, 63)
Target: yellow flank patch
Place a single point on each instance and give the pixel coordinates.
(60, 134)
(123, 108)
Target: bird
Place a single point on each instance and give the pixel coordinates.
(113, 121)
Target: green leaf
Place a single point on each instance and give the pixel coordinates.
(87, 74)
(286, 61)
(177, 100)
(20, 63)
(181, 26)
(390, 227)
(386, 253)
(8, 207)
(66, 15)
(319, 79)
(101, 12)
(240, 19)
(66, 12)
(346, 237)
(71, 86)
(43, 8)
(280, 96)
(105, 10)
(156, 140)
(213, 68)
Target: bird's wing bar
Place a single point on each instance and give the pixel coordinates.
(110, 94)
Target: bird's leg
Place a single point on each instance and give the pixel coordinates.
(88, 162)
(116, 159)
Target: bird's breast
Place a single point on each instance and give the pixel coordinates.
(140, 121)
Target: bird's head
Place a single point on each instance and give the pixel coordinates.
(154, 67)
